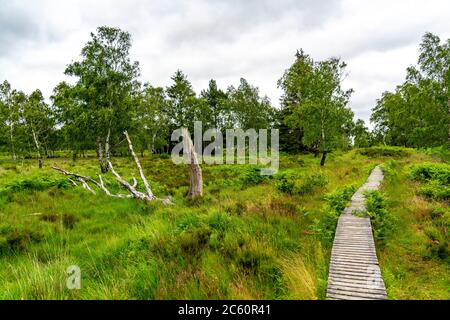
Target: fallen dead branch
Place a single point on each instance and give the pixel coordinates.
(132, 188)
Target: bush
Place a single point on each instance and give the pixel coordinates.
(435, 191)
(325, 227)
(382, 220)
(383, 152)
(253, 176)
(436, 178)
(428, 172)
(34, 183)
(300, 185)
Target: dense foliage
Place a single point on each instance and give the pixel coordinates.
(417, 114)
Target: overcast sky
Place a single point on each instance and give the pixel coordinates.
(224, 40)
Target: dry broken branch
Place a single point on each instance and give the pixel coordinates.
(129, 187)
(134, 193)
(138, 165)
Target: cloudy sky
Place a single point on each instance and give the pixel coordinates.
(224, 40)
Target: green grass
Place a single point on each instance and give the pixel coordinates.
(247, 238)
(410, 268)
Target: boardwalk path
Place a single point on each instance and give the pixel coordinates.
(354, 270)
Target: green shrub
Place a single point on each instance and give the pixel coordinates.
(427, 172)
(337, 201)
(435, 191)
(164, 156)
(382, 220)
(285, 183)
(442, 153)
(301, 184)
(38, 183)
(325, 226)
(436, 178)
(383, 152)
(253, 176)
(437, 213)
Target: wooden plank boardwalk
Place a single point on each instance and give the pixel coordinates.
(354, 271)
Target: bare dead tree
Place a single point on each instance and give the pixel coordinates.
(195, 172)
(132, 188)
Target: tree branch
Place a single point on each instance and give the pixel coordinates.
(138, 165)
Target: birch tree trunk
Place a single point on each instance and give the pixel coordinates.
(101, 162)
(38, 152)
(195, 172)
(11, 137)
(107, 148)
(448, 103)
(138, 165)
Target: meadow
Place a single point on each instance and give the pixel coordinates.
(248, 237)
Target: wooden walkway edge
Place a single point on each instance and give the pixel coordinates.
(354, 272)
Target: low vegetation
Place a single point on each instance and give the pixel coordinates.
(414, 259)
(245, 238)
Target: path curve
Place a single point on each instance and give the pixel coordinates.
(354, 271)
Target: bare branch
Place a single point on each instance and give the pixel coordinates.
(103, 187)
(129, 187)
(85, 185)
(76, 175)
(135, 182)
(134, 193)
(138, 165)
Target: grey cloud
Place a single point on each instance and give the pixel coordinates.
(223, 39)
(225, 21)
(15, 26)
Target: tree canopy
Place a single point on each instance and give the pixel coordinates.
(417, 113)
(316, 104)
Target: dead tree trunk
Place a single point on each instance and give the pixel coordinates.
(195, 172)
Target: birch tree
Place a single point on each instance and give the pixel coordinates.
(317, 103)
(105, 89)
(38, 120)
(10, 103)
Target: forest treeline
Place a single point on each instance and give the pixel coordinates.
(106, 98)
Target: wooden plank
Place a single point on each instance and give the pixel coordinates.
(356, 294)
(336, 296)
(354, 289)
(356, 282)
